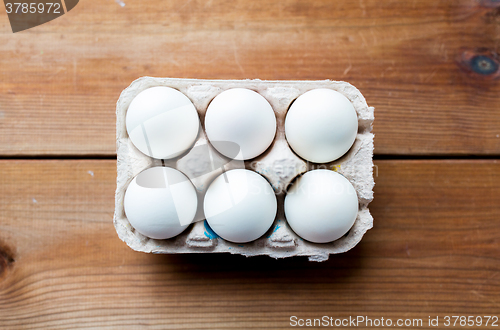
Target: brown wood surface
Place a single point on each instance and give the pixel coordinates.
(434, 251)
(59, 82)
(435, 246)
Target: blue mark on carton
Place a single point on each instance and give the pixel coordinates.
(209, 232)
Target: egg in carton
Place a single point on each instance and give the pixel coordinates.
(278, 164)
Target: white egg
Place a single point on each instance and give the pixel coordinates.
(321, 206)
(162, 122)
(240, 123)
(321, 125)
(240, 206)
(160, 202)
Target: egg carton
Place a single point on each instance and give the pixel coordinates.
(278, 164)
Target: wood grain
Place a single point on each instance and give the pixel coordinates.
(434, 251)
(59, 82)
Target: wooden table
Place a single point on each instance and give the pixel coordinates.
(429, 67)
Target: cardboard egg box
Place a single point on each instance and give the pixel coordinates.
(278, 164)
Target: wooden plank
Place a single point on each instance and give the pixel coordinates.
(434, 251)
(59, 82)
